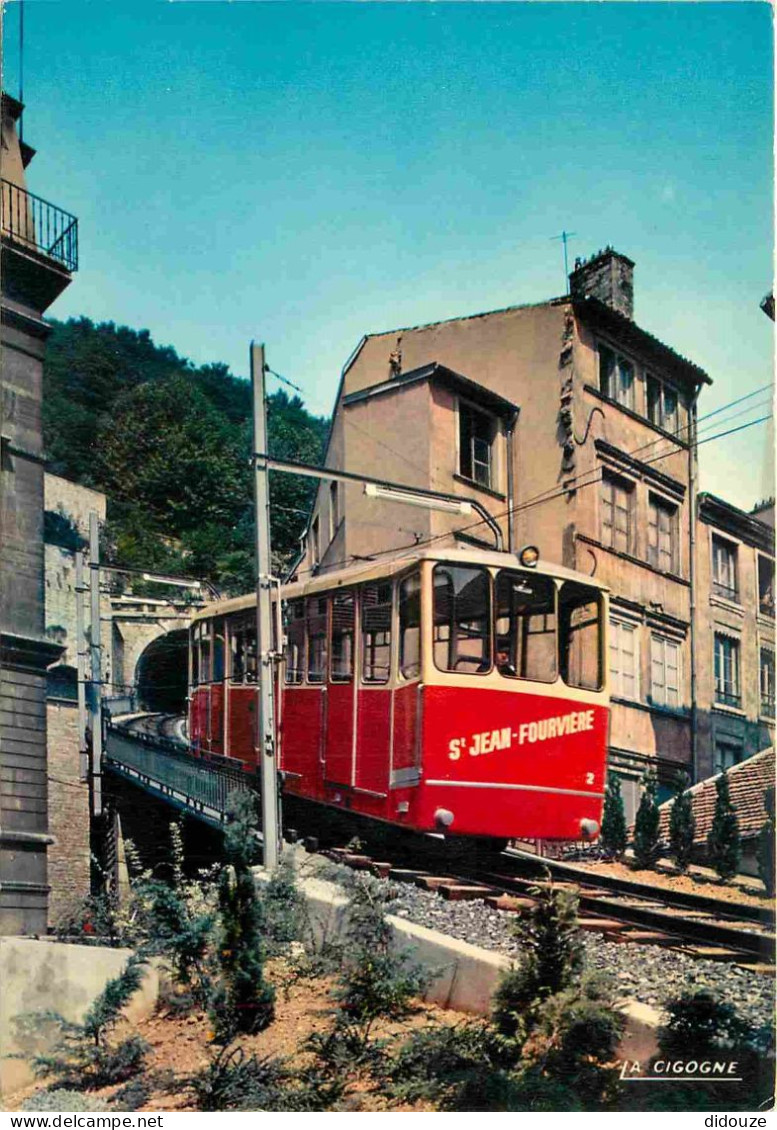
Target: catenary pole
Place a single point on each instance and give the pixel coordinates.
(95, 698)
(266, 758)
(81, 589)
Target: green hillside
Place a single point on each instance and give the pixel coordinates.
(169, 442)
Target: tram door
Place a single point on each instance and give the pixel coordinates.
(340, 691)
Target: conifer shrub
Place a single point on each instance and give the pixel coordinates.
(84, 1056)
(682, 826)
(242, 1001)
(766, 845)
(285, 912)
(647, 844)
(723, 839)
(241, 1081)
(614, 836)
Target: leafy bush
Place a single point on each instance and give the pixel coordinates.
(614, 835)
(647, 845)
(60, 1099)
(242, 1000)
(83, 1056)
(723, 839)
(682, 826)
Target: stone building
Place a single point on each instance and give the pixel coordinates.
(573, 426)
(39, 244)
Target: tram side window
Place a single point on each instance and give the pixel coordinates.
(205, 653)
(410, 627)
(194, 647)
(218, 651)
(316, 620)
(462, 619)
(376, 633)
(295, 642)
(243, 651)
(526, 626)
(580, 620)
(342, 637)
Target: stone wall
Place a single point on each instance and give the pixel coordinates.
(68, 812)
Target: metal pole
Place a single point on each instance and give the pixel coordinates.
(95, 705)
(264, 649)
(81, 667)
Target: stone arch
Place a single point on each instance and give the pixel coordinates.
(162, 671)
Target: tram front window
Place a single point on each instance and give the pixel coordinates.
(525, 616)
(580, 619)
(462, 619)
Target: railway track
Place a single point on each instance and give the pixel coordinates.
(696, 925)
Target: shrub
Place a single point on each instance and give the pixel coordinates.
(551, 959)
(647, 845)
(83, 1056)
(613, 836)
(64, 1100)
(682, 826)
(766, 845)
(284, 908)
(723, 839)
(242, 1001)
(235, 1080)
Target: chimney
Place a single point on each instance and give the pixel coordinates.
(608, 276)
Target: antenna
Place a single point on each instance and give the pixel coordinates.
(563, 237)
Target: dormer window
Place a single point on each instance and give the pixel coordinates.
(477, 430)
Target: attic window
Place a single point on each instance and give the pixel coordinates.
(476, 445)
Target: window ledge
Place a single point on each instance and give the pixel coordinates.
(767, 719)
(634, 560)
(723, 708)
(594, 391)
(479, 486)
(731, 605)
(681, 713)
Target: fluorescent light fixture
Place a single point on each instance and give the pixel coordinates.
(161, 580)
(448, 506)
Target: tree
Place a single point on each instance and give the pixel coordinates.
(614, 836)
(682, 826)
(766, 845)
(647, 844)
(243, 1000)
(723, 840)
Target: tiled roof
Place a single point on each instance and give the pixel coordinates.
(747, 781)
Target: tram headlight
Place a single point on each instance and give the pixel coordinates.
(529, 556)
(589, 829)
(443, 818)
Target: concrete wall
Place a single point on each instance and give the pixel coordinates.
(37, 976)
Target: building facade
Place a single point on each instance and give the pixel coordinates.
(39, 254)
(575, 428)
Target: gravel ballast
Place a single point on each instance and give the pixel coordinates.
(649, 974)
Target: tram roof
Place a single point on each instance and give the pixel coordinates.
(390, 567)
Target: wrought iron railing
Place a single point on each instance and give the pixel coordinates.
(159, 764)
(38, 225)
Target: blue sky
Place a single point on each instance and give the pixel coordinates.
(305, 173)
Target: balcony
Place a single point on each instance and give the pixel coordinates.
(40, 246)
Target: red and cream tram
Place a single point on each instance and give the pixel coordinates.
(450, 691)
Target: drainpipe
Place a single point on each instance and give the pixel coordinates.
(693, 466)
(510, 480)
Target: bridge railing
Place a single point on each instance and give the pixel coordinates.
(187, 781)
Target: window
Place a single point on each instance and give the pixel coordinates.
(617, 504)
(316, 621)
(525, 645)
(664, 672)
(295, 641)
(724, 568)
(342, 637)
(662, 405)
(476, 445)
(242, 649)
(662, 535)
(727, 671)
(766, 585)
(462, 619)
(205, 653)
(315, 550)
(727, 754)
(616, 377)
(767, 682)
(376, 633)
(334, 510)
(218, 651)
(195, 653)
(579, 613)
(624, 660)
(410, 627)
